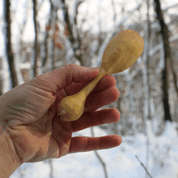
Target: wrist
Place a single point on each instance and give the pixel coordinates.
(9, 161)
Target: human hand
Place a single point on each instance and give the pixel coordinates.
(29, 113)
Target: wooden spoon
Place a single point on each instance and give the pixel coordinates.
(122, 52)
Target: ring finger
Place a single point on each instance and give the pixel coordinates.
(102, 98)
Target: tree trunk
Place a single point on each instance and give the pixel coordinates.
(67, 21)
(1, 82)
(53, 29)
(35, 72)
(76, 46)
(147, 55)
(165, 37)
(47, 38)
(8, 48)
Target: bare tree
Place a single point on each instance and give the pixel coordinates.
(1, 82)
(54, 29)
(49, 35)
(35, 68)
(165, 37)
(8, 49)
(73, 35)
(47, 38)
(147, 114)
(22, 29)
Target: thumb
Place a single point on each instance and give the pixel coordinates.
(65, 76)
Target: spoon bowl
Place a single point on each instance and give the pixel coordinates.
(122, 51)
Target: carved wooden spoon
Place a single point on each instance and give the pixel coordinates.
(122, 52)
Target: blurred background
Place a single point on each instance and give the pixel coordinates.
(42, 35)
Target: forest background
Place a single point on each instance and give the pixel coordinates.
(41, 35)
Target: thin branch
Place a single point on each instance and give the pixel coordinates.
(114, 10)
(51, 168)
(99, 157)
(170, 7)
(143, 166)
(156, 49)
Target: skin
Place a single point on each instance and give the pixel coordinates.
(30, 129)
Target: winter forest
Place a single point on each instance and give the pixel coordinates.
(42, 35)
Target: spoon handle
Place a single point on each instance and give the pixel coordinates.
(87, 89)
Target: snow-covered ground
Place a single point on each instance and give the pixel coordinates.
(120, 161)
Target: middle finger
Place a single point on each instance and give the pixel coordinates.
(90, 119)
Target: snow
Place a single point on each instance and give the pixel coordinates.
(120, 161)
